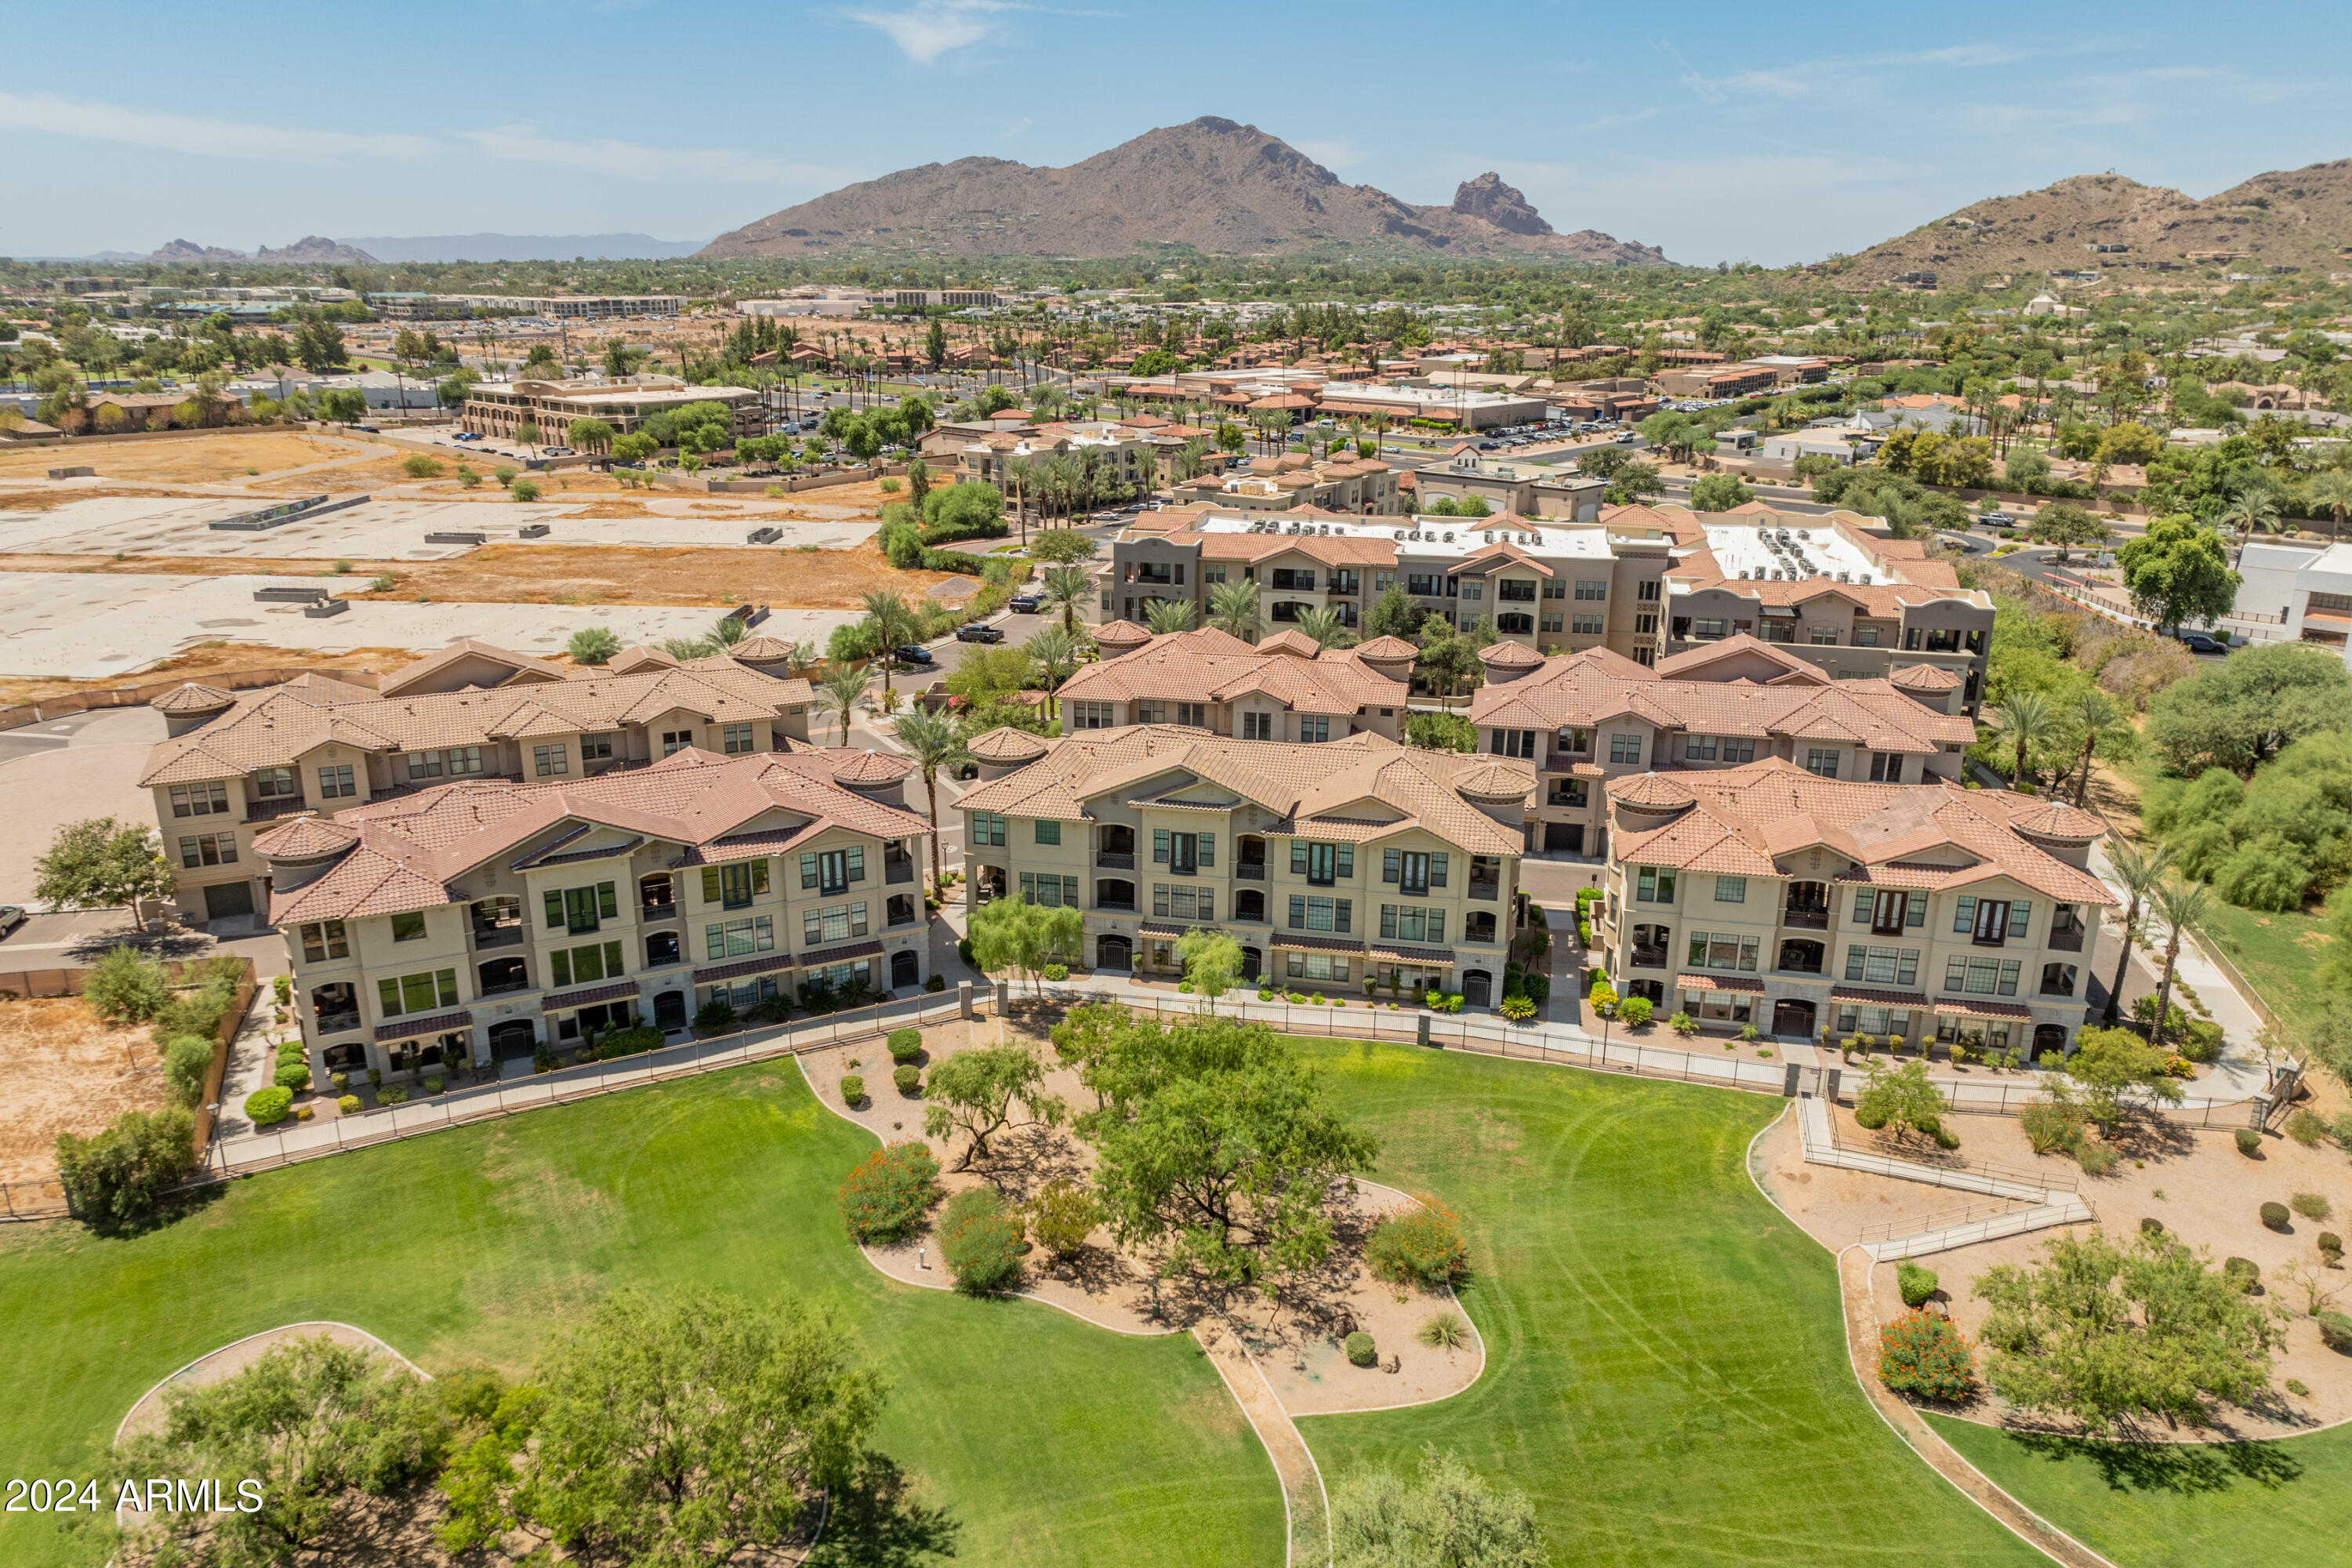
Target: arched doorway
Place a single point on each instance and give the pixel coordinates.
(1792, 1016)
(669, 1010)
(513, 1039)
(2049, 1038)
(1113, 952)
(906, 969)
(1476, 986)
(1253, 963)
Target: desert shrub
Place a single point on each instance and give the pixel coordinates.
(2331, 1246)
(2274, 1216)
(1682, 1023)
(907, 1079)
(1519, 1009)
(714, 1016)
(293, 1076)
(1924, 1353)
(1444, 1330)
(905, 1045)
(2310, 1205)
(2335, 1330)
(979, 1242)
(773, 1009)
(1061, 1214)
(126, 986)
(936, 983)
(2305, 1128)
(1263, 995)
(1361, 1352)
(395, 1097)
(118, 1175)
(886, 1197)
(187, 1061)
(2096, 1159)
(2151, 1226)
(1636, 1010)
(1916, 1283)
(963, 950)
(265, 1106)
(433, 1085)
(1417, 1244)
(2053, 1124)
(629, 1042)
(2243, 1271)
(348, 1105)
(1062, 972)
(2249, 1140)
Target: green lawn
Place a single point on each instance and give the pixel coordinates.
(2178, 1507)
(1045, 1441)
(1667, 1374)
(2278, 954)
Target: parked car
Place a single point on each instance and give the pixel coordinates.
(11, 917)
(2201, 642)
(977, 632)
(911, 654)
(1624, 438)
(1023, 604)
(555, 451)
(1996, 520)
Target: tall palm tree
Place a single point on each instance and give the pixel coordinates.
(1066, 587)
(1166, 615)
(2138, 870)
(1232, 609)
(2331, 488)
(889, 623)
(1058, 653)
(2095, 714)
(2184, 908)
(1323, 624)
(841, 692)
(2027, 718)
(2249, 512)
(932, 741)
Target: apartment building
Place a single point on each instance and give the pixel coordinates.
(1767, 895)
(575, 307)
(986, 455)
(1343, 869)
(1521, 489)
(1300, 560)
(501, 407)
(236, 764)
(1360, 486)
(1595, 717)
(1828, 591)
(1286, 687)
(480, 920)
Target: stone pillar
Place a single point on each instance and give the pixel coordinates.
(1789, 1081)
(1422, 1020)
(963, 999)
(1830, 1080)
(1003, 996)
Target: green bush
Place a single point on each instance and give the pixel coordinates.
(908, 1078)
(290, 1051)
(1417, 1244)
(2274, 1216)
(1361, 1352)
(886, 1197)
(266, 1106)
(2096, 1159)
(2053, 1124)
(186, 1062)
(120, 1173)
(2249, 1140)
(963, 950)
(1056, 972)
(2330, 1244)
(936, 983)
(2335, 1330)
(2151, 1226)
(715, 1017)
(853, 1089)
(348, 1105)
(293, 1076)
(2201, 1041)
(1925, 1354)
(2311, 1205)
(1636, 1011)
(1916, 1284)
(433, 1085)
(773, 1009)
(980, 1241)
(632, 1041)
(2305, 1128)
(395, 1096)
(342, 1080)
(126, 986)
(905, 1045)
(2243, 1271)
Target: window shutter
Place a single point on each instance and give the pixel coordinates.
(1208, 849)
(711, 884)
(1964, 916)
(1160, 846)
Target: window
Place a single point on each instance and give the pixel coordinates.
(1822, 637)
(1866, 637)
(735, 885)
(1647, 592)
(1645, 625)
(323, 940)
(1050, 891)
(1585, 590)
(735, 739)
(595, 749)
(1625, 749)
(1555, 590)
(1474, 590)
(676, 741)
(1513, 744)
(1722, 949)
(1412, 922)
(1317, 966)
(1323, 864)
(1720, 748)
(1520, 622)
(336, 782)
(1383, 581)
(408, 925)
(1587, 625)
(1777, 631)
(1654, 885)
(1213, 574)
(1894, 1022)
(1981, 976)
(551, 761)
(1821, 761)
(462, 760)
(578, 965)
(1428, 584)
(987, 828)
(1699, 748)
(417, 992)
(1094, 715)
(1883, 965)
(1314, 730)
(1182, 902)
(839, 923)
(275, 784)
(1412, 871)
(1887, 767)
(1731, 890)
(1553, 621)
(200, 799)
(1286, 577)
(733, 939)
(1048, 831)
(1707, 629)
(1194, 714)
(578, 909)
(1183, 854)
(207, 849)
(1515, 592)
(1257, 726)
(1321, 914)
(1572, 739)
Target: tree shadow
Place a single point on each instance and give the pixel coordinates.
(186, 1203)
(875, 1524)
(2184, 1469)
(170, 942)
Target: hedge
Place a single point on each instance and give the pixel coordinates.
(1418, 1244)
(265, 1106)
(909, 1079)
(1916, 1284)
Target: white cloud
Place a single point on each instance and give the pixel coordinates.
(632, 160)
(1013, 128)
(929, 31)
(47, 114)
(1333, 154)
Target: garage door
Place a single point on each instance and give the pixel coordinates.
(224, 901)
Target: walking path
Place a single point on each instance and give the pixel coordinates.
(1819, 1140)
(2242, 1070)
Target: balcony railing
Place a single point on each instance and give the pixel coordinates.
(506, 987)
(2067, 941)
(336, 1023)
(1251, 871)
(1811, 920)
(1649, 958)
(2056, 990)
(1489, 891)
(2001, 941)
(1115, 906)
(1800, 969)
(656, 913)
(497, 936)
(900, 870)
(1114, 860)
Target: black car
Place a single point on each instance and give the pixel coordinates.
(976, 632)
(910, 654)
(1023, 604)
(2201, 642)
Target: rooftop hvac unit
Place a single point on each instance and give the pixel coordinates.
(1841, 576)
(1398, 532)
(1804, 533)
(1449, 536)
(1862, 578)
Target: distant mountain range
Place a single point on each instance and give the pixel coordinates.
(2297, 218)
(312, 249)
(525, 247)
(1211, 185)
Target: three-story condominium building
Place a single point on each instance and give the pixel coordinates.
(1592, 718)
(1341, 868)
(483, 919)
(1767, 895)
(236, 763)
(1284, 688)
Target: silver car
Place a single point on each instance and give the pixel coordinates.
(11, 917)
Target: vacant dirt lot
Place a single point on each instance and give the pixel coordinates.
(202, 663)
(63, 1070)
(199, 459)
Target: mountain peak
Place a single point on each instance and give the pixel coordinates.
(1503, 205)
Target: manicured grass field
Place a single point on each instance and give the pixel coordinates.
(1043, 1440)
(2178, 1507)
(2279, 955)
(1667, 1374)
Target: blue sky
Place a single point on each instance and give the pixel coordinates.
(1721, 132)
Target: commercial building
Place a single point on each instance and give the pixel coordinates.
(501, 407)
(1350, 868)
(576, 307)
(2305, 592)
(1815, 908)
(1525, 490)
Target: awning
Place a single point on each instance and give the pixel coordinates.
(414, 1028)
(1975, 1007)
(825, 955)
(1390, 952)
(1319, 944)
(564, 999)
(1703, 980)
(1878, 998)
(743, 966)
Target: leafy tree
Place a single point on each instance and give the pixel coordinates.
(1448, 658)
(1719, 493)
(932, 741)
(1061, 547)
(1212, 961)
(2177, 572)
(886, 1197)
(2105, 1334)
(2109, 1062)
(342, 405)
(968, 511)
(1635, 481)
(1903, 1098)
(992, 670)
(594, 645)
(1393, 615)
(2127, 442)
(118, 1175)
(973, 1092)
(2237, 712)
(681, 1429)
(187, 1062)
(101, 864)
(1011, 933)
(1062, 1216)
(2066, 525)
(980, 1241)
(1452, 1517)
(1441, 733)
(589, 435)
(125, 986)
(637, 446)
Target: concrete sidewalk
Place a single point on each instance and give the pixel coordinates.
(2242, 1070)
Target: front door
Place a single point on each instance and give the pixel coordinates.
(906, 969)
(1112, 953)
(1475, 984)
(1790, 1017)
(1563, 837)
(669, 1010)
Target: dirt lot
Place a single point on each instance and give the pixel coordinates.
(201, 460)
(63, 1070)
(570, 573)
(201, 662)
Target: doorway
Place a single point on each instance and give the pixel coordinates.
(1790, 1017)
(513, 1039)
(1113, 954)
(906, 969)
(669, 1010)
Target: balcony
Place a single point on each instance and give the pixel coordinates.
(1808, 919)
(1251, 871)
(1649, 958)
(1109, 906)
(1785, 968)
(486, 937)
(1114, 860)
(336, 1023)
(277, 807)
(505, 987)
(2068, 940)
(901, 869)
(1489, 891)
(654, 914)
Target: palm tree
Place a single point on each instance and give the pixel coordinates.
(728, 633)
(1057, 654)
(2331, 488)
(2248, 513)
(2028, 718)
(2184, 908)
(1166, 615)
(1323, 624)
(889, 624)
(2138, 870)
(2095, 714)
(1233, 608)
(932, 741)
(841, 691)
(1067, 586)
